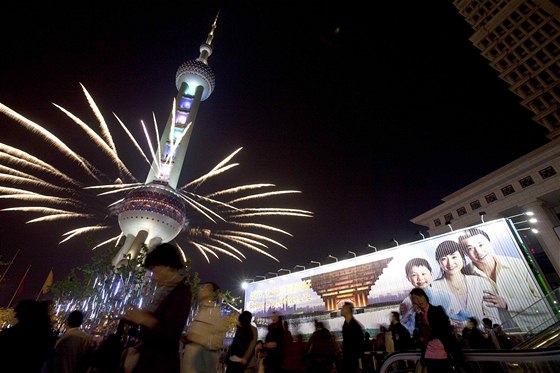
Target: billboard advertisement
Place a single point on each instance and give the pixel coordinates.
(474, 272)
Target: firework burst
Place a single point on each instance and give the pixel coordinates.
(217, 222)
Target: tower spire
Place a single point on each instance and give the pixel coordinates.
(206, 47)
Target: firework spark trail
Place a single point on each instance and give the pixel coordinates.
(57, 217)
(82, 230)
(238, 189)
(98, 141)
(134, 142)
(228, 234)
(19, 157)
(263, 195)
(152, 152)
(60, 201)
(24, 180)
(214, 171)
(255, 236)
(260, 226)
(35, 128)
(105, 133)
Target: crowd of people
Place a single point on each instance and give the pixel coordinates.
(153, 339)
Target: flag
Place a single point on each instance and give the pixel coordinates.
(48, 282)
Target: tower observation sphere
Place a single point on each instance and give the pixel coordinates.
(196, 73)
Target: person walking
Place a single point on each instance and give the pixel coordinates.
(206, 333)
(274, 344)
(352, 340)
(242, 348)
(162, 321)
(434, 334)
(321, 352)
(473, 337)
(401, 337)
(73, 350)
(490, 333)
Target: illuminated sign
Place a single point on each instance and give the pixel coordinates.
(450, 267)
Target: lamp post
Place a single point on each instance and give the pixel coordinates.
(372, 247)
(448, 223)
(244, 286)
(314, 262)
(482, 213)
(334, 257)
(351, 252)
(284, 269)
(263, 277)
(394, 240)
(299, 265)
(273, 273)
(421, 234)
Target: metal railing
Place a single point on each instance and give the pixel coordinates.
(515, 361)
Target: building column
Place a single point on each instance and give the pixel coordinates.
(546, 236)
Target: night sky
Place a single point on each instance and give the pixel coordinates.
(374, 110)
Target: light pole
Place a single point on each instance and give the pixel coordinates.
(395, 241)
(299, 265)
(421, 234)
(372, 247)
(273, 273)
(351, 252)
(448, 223)
(284, 269)
(263, 277)
(244, 286)
(482, 213)
(334, 257)
(314, 262)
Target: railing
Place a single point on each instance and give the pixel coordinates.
(515, 361)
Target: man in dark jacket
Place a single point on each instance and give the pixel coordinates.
(401, 337)
(242, 347)
(352, 339)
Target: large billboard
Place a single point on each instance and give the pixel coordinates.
(474, 272)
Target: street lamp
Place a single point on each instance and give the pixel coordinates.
(273, 273)
(334, 257)
(448, 223)
(283, 269)
(263, 277)
(528, 213)
(482, 213)
(395, 241)
(244, 286)
(421, 234)
(372, 247)
(299, 265)
(351, 252)
(314, 262)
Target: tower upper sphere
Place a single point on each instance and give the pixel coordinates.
(196, 73)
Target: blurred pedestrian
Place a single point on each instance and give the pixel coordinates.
(473, 337)
(434, 332)
(73, 350)
(242, 348)
(27, 345)
(206, 333)
(274, 344)
(162, 321)
(352, 340)
(322, 351)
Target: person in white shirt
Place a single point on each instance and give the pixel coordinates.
(513, 293)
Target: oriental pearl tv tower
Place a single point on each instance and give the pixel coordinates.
(156, 212)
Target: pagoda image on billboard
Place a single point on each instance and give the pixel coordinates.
(351, 284)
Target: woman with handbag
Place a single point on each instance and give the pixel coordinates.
(163, 320)
(434, 335)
